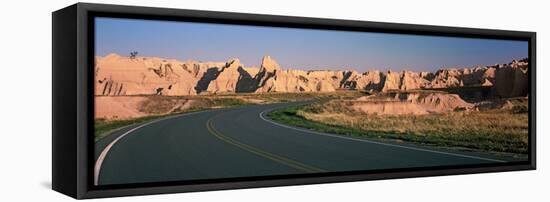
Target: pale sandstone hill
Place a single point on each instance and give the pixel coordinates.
(446, 78)
(369, 81)
(392, 82)
(334, 78)
(197, 69)
(267, 70)
(285, 81)
(227, 78)
(271, 78)
(325, 86)
(406, 80)
(117, 75)
(411, 103)
(412, 80)
(507, 80)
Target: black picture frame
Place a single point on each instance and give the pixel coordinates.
(73, 107)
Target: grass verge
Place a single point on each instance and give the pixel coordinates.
(103, 127)
(434, 130)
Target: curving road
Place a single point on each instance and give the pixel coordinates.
(242, 142)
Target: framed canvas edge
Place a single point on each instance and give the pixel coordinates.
(84, 190)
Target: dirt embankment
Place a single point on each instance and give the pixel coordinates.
(420, 103)
(128, 107)
(410, 103)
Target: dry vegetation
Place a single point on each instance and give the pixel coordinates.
(496, 130)
(274, 97)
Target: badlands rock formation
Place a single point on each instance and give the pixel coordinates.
(271, 78)
(512, 80)
(118, 75)
(369, 81)
(227, 78)
(392, 81)
(411, 103)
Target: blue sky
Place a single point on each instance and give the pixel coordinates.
(305, 49)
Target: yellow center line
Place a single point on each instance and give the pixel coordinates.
(259, 152)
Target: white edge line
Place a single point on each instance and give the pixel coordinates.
(101, 158)
(373, 142)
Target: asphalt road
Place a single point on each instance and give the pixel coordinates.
(243, 142)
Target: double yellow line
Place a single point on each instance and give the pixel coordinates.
(259, 152)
